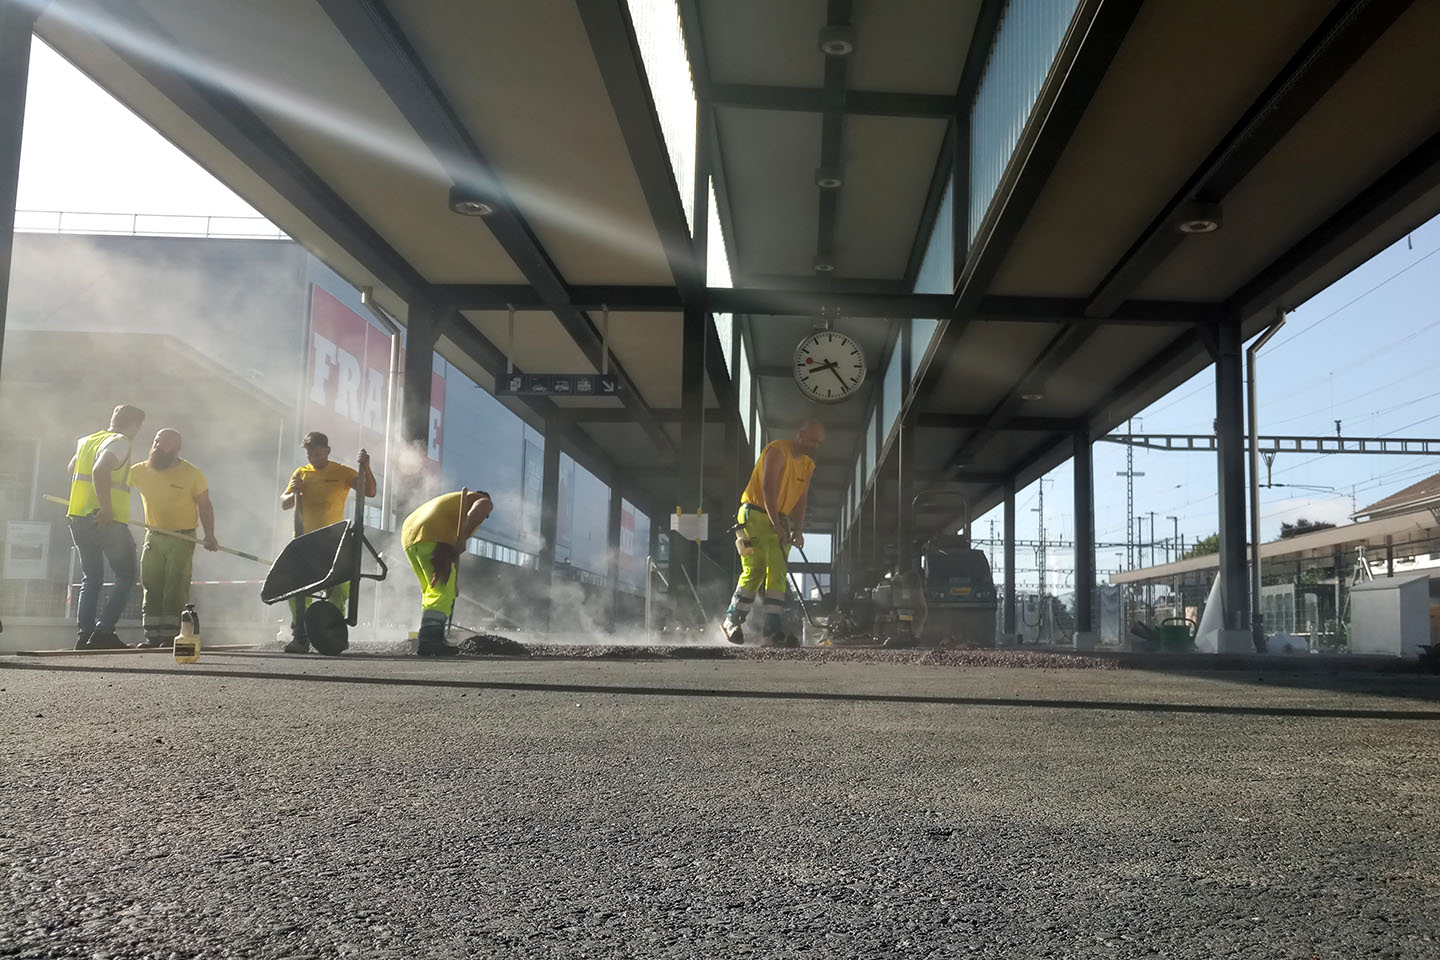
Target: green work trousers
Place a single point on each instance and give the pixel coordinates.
(165, 564)
(338, 595)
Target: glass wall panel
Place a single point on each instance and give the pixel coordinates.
(892, 393)
(1028, 37)
(742, 387)
(921, 332)
(667, 70)
(937, 266)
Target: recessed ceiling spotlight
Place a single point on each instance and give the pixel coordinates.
(837, 41)
(829, 178)
(468, 204)
(823, 264)
(1197, 217)
(1032, 396)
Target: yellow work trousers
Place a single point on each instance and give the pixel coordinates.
(433, 599)
(761, 572)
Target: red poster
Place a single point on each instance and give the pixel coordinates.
(346, 383)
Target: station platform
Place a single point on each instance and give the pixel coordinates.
(654, 806)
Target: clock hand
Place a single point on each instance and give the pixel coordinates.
(843, 384)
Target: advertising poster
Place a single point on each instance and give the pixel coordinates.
(347, 388)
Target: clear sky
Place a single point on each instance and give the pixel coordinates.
(1362, 352)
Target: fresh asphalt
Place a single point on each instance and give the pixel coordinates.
(264, 806)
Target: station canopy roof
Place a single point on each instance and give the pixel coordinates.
(1309, 130)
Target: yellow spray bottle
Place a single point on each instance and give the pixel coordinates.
(187, 642)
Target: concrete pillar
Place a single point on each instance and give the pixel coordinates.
(16, 21)
(1008, 629)
(1235, 633)
(1085, 637)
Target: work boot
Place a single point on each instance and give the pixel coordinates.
(734, 632)
(82, 640)
(298, 645)
(106, 640)
(436, 648)
(157, 641)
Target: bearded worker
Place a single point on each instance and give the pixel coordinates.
(770, 522)
(175, 496)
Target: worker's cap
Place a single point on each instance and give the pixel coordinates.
(314, 439)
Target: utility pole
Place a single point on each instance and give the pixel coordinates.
(1129, 474)
(1041, 562)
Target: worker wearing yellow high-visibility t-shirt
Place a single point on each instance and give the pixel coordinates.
(98, 512)
(321, 486)
(771, 521)
(433, 537)
(176, 498)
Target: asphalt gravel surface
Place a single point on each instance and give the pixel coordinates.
(260, 806)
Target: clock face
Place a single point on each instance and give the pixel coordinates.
(829, 366)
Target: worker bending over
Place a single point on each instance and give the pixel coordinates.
(770, 521)
(175, 496)
(433, 537)
(321, 487)
(98, 512)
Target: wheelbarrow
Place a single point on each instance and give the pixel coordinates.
(314, 562)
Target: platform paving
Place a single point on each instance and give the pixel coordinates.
(264, 806)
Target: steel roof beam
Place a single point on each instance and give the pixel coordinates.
(1396, 189)
(832, 134)
(377, 39)
(1098, 29)
(872, 103)
(241, 132)
(973, 421)
(621, 415)
(1342, 38)
(953, 162)
(852, 301)
(617, 53)
(1050, 359)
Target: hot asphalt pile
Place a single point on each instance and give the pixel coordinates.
(329, 808)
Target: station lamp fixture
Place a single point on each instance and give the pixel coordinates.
(823, 264)
(1032, 396)
(468, 203)
(829, 178)
(1195, 216)
(837, 41)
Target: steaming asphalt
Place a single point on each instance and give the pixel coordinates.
(259, 806)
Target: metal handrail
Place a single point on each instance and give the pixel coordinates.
(209, 227)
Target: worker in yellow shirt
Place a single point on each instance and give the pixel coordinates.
(433, 537)
(320, 489)
(770, 522)
(175, 496)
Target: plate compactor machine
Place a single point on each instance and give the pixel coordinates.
(949, 601)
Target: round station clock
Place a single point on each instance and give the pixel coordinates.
(829, 366)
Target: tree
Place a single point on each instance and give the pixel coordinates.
(1301, 525)
(1204, 547)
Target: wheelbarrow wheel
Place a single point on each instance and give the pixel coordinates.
(326, 629)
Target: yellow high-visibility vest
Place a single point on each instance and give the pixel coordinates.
(83, 500)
